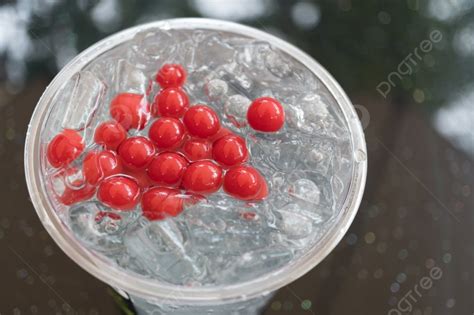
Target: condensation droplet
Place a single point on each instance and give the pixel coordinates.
(395, 287)
(450, 303)
(369, 238)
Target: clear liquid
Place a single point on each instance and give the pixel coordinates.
(222, 240)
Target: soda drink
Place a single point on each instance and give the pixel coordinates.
(195, 165)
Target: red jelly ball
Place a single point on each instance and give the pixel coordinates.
(132, 111)
(99, 165)
(64, 148)
(230, 150)
(171, 75)
(167, 132)
(167, 169)
(136, 152)
(110, 134)
(140, 176)
(202, 177)
(170, 102)
(160, 202)
(71, 196)
(263, 193)
(197, 149)
(243, 182)
(119, 192)
(266, 114)
(201, 121)
(221, 133)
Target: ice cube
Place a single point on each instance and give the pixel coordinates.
(206, 226)
(185, 53)
(236, 108)
(217, 51)
(285, 155)
(227, 230)
(293, 223)
(238, 79)
(196, 84)
(99, 227)
(159, 248)
(152, 46)
(252, 264)
(260, 62)
(315, 110)
(305, 190)
(130, 78)
(57, 183)
(243, 234)
(70, 177)
(301, 211)
(87, 92)
(323, 156)
(317, 201)
(216, 88)
(252, 55)
(315, 157)
(276, 64)
(294, 117)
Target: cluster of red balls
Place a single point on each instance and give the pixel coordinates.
(186, 148)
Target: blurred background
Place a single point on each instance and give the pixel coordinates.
(407, 65)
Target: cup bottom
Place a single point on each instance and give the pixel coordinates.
(247, 307)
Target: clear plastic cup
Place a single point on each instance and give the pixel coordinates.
(154, 297)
